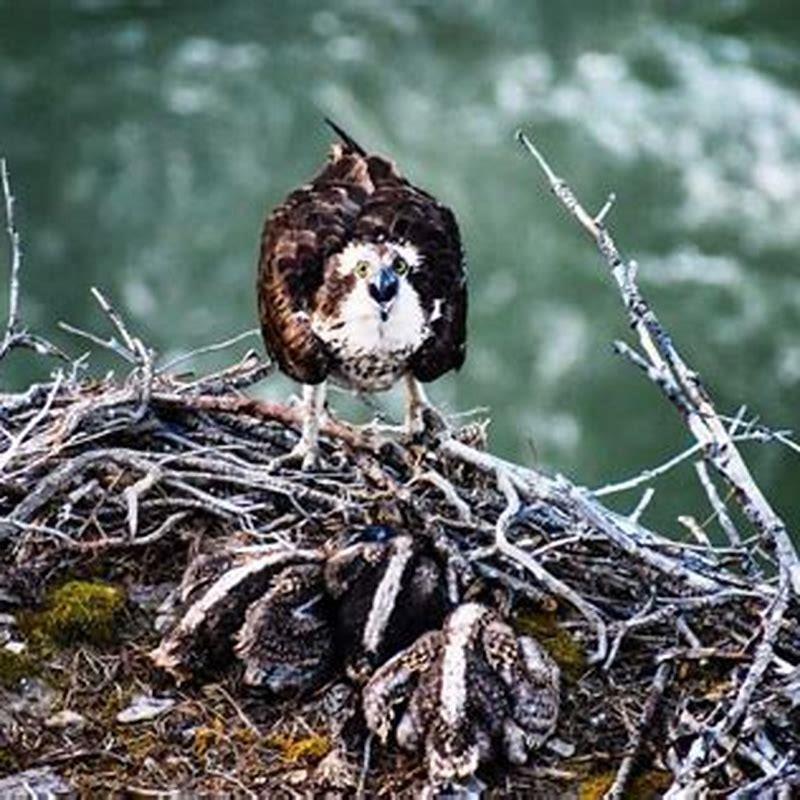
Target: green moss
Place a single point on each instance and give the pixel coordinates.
(564, 648)
(648, 785)
(8, 762)
(208, 737)
(595, 786)
(77, 611)
(307, 748)
(14, 667)
(651, 784)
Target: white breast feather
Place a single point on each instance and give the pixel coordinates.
(373, 352)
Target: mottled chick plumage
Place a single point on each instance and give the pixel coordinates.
(289, 616)
(287, 641)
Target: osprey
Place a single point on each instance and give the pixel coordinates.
(361, 280)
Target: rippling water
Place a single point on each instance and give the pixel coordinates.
(148, 138)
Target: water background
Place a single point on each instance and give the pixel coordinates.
(147, 139)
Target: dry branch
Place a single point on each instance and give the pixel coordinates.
(15, 335)
(679, 382)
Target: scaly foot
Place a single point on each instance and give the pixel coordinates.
(306, 452)
(304, 455)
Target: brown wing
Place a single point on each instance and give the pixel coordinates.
(401, 211)
(312, 223)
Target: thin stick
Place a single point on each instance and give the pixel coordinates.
(448, 490)
(14, 335)
(15, 260)
(551, 583)
(642, 505)
(16, 442)
(108, 344)
(362, 778)
(134, 492)
(725, 521)
(210, 348)
(116, 319)
(647, 475)
(617, 788)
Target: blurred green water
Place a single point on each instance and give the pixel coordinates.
(148, 138)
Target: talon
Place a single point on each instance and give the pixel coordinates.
(425, 421)
(309, 460)
(306, 452)
(422, 418)
(302, 455)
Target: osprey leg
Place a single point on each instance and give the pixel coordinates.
(306, 450)
(418, 407)
(416, 402)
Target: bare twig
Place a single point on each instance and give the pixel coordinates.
(448, 490)
(131, 349)
(134, 492)
(15, 262)
(725, 521)
(642, 505)
(108, 344)
(130, 342)
(16, 441)
(211, 348)
(365, 762)
(785, 775)
(15, 335)
(553, 585)
(617, 789)
(647, 475)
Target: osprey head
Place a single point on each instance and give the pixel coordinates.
(369, 313)
(380, 275)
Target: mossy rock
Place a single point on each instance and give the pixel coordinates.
(77, 612)
(14, 667)
(563, 647)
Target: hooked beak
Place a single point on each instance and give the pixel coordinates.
(383, 289)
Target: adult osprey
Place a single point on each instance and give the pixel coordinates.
(361, 280)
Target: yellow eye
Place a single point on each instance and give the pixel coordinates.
(400, 266)
(362, 269)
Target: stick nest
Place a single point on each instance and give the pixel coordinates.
(654, 637)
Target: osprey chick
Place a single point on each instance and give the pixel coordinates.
(361, 280)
